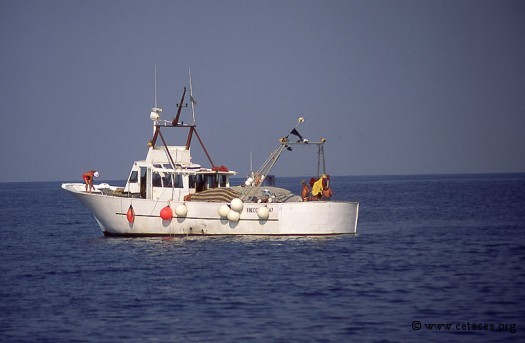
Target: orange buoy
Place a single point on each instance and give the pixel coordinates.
(166, 213)
(130, 215)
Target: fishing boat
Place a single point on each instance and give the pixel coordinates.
(168, 194)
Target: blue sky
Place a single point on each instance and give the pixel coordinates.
(396, 87)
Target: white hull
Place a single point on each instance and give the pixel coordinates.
(290, 218)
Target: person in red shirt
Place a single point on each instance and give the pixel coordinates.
(88, 179)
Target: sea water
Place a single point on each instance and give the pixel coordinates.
(436, 258)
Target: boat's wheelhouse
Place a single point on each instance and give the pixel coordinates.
(155, 178)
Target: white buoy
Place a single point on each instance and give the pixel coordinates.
(181, 210)
(233, 216)
(236, 205)
(263, 212)
(224, 210)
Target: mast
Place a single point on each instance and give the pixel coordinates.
(320, 157)
(175, 121)
(157, 123)
(192, 100)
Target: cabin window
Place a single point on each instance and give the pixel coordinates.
(191, 181)
(223, 179)
(199, 183)
(134, 177)
(169, 180)
(211, 181)
(143, 172)
(166, 180)
(156, 180)
(178, 181)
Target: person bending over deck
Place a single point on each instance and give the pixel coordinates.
(321, 189)
(88, 179)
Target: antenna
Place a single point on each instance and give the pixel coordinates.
(155, 86)
(155, 111)
(251, 164)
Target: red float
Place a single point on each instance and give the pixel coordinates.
(166, 213)
(130, 215)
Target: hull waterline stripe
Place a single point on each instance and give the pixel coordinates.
(110, 234)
